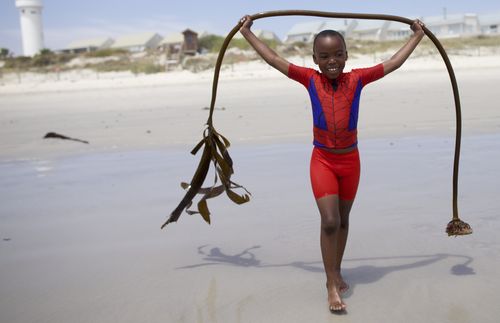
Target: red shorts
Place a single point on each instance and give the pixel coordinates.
(335, 174)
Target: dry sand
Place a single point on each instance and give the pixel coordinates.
(79, 224)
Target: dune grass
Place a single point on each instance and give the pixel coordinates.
(48, 61)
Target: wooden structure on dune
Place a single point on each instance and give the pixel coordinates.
(179, 45)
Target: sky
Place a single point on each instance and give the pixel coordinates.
(68, 20)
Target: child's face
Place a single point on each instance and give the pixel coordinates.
(330, 55)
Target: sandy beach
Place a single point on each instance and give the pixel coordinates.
(80, 237)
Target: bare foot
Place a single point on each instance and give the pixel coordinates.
(334, 299)
(343, 286)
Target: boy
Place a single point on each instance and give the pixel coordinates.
(335, 165)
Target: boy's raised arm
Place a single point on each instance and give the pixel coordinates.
(262, 49)
(404, 52)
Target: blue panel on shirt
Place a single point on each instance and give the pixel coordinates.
(353, 119)
(318, 114)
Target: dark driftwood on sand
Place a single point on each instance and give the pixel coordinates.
(59, 136)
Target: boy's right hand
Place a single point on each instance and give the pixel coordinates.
(261, 48)
(246, 22)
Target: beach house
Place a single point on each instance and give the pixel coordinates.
(88, 45)
(137, 42)
(370, 30)
(303, 32)
(490, 23)
(454, 25)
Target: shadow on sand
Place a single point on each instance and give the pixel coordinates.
(363, 274)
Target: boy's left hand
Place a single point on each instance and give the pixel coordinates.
(417, 27)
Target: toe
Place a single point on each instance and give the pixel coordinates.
(337, 307)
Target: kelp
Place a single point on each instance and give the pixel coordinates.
(214, 151)
(215, 146)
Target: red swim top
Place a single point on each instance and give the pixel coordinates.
(335, 105)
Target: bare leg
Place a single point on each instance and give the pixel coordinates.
(344, 209)
(329, 239)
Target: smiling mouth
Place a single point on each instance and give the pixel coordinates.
(333, 69)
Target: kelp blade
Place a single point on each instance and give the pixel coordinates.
(214, 151)
(196, 183)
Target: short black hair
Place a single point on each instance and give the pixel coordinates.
(329, 33)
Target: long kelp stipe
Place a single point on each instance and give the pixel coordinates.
(215, 145)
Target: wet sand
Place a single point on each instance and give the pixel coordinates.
(84, 242)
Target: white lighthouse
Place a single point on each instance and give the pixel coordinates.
(31, 25)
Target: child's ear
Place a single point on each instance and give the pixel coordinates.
(346, 55)
(315, 60)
